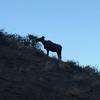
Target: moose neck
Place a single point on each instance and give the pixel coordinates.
(43, 42)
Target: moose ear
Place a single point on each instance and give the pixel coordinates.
(43, 37)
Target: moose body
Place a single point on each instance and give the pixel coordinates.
(50, 46)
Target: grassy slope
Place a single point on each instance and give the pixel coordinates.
(27, 74)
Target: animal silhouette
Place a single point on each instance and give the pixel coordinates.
(50, 46)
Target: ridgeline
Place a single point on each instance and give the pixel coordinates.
(26, 73)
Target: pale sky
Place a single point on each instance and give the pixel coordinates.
(75, 24)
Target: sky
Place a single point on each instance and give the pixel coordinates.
(75, 24)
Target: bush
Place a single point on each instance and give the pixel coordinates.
(16, 41)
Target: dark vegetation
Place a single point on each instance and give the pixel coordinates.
(26, 73)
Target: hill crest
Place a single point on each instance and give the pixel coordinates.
(26, 73)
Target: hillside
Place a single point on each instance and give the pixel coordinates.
(26, 73)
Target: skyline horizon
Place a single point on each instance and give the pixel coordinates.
(53, 54)
(72, 23)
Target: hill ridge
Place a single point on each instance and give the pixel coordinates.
(26, 73)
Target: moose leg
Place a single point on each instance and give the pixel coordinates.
(47, 52)
(59, 55)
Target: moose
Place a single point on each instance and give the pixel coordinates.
(50, 46)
